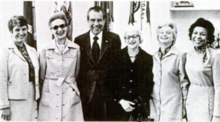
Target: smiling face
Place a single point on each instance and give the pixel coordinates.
(59, 29)
(199, 36)
(165, 35)
(132, 39)
(96, 22)
(19, 34)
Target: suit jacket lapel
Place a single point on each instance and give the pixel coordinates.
(32, 55)
(88, 47)
(105, 44)
(16, 51)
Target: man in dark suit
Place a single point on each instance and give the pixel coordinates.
(98, 68)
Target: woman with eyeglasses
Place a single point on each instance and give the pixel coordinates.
(202, 68)
(59, 66)
(19, 68)
(136, 79)
(170, 83)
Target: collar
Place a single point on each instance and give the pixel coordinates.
(59, 45)
(172, 51)
(91, 35)
(200, 49)
(20, 47)
(11, 45)
(135, 53)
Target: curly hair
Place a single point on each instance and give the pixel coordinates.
(205, 24)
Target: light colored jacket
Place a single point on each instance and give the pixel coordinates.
(14, 74)
(60, 95)
(169, 86)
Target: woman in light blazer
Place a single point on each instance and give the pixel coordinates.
(59, 67)
(19, 69)
(203, 70)
(170, 84)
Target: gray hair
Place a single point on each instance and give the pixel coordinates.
(136, 30)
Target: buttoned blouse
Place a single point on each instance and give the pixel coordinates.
(26, 56)
(60, 95)
(170, 86)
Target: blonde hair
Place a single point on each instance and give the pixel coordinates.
(172, 26)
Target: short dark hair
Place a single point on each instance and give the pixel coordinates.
(58, 15)
(96, 9)
(17, 21)
(205, 24)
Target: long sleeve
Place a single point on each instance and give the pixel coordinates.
(183, 77)
(216, 79)
(4, 78)
(43, 65)
(78, 63)
(116, 68)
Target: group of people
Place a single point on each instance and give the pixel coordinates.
(92, 79)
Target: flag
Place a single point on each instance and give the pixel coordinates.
(134, 7)
(146, 27)
(140, 18)
(107, 7)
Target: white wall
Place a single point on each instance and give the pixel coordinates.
(121, 15)
(160, 12)
(45, 8)
(80, 9)
(184, 19)
(7, 10)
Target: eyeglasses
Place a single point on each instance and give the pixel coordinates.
(57, 26)
(133, 37)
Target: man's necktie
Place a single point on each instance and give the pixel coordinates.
(95, 49)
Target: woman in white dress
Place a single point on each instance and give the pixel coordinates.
(203, 70)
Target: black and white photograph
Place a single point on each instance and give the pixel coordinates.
(120, 60)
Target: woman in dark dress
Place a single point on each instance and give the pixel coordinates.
(136, 79)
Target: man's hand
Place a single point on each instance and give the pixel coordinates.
(126, 105)
(6, 114)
